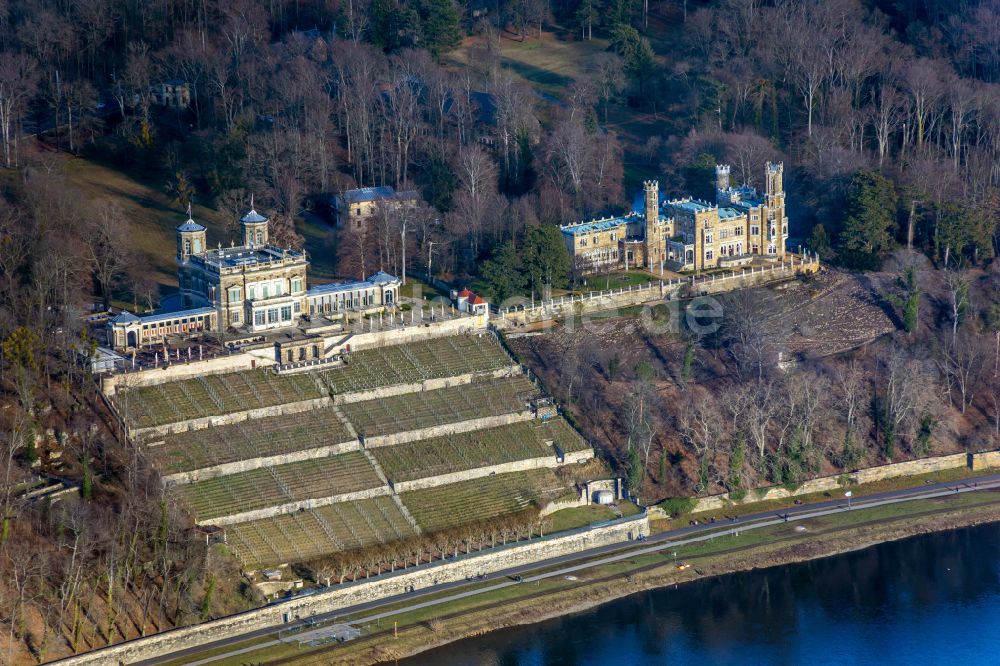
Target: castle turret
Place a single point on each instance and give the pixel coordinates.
(721, 177)
(774, 199)
(254, 227)
(190, 239)
(654, 242)
(774, 174)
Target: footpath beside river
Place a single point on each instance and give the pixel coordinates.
(905, 602)
(393, 632)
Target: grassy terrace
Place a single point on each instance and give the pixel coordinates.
(269, 486)
(467, 450)
(268, 436)
(417, 361)
(479, 499)
(413, 411)
(561, 434)
(307, 534)
(211, 395)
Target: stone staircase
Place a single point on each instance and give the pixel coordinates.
(395, 497)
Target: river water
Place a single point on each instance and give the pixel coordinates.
(933, 599)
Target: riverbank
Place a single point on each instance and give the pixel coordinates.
(423, 628)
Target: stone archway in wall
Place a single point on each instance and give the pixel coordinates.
(131, 339)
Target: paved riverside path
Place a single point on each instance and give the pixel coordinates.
(612, 553)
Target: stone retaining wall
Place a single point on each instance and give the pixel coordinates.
(446, 429)
(380, 587)
(264, 356)
(232, 417)
(552, 507)
(418, 331)
(426, 385)
(292, 507)
(245, 360)
(256, 463)
(984, 460)
(828, 483)
(655, 291)
(504, 468)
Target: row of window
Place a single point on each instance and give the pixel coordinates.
(173, 326)
(606, 255)
(302, 354)
(734, 250)
(265, 290)
(273, 315)
(736, 232)
(346, 300)
(597, 239)
(335, 306)
(170, 323)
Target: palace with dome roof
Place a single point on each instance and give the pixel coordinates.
(246, 289)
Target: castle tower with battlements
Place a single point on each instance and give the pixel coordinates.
(653, 250)
(743, 226)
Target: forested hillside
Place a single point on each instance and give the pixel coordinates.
(508, 117)
(541, 113)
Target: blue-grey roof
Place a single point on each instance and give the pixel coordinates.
(596, 225)
(125, 317)
(747, 204)
(726, 213)
(377, 194)
(693, 206)
(160, 316)
(190, 226)
(253, 217)
(368, 194)
(334, 287)
(381, 278)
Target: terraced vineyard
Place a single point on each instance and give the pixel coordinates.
(479, 499)
(461, 451)
(271, 486)
(561, 434)
(417, 361)
(272, 435)
(412, 411)
(303, 535)
(210, 395)
(351, 525)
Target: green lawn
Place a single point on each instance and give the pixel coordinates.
(614, 281)
(151, 215)
(568, 519)
(415, 288)
(152, 218)
(549, 65)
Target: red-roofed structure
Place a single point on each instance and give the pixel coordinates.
(468, 301)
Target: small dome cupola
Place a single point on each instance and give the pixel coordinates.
(254, 227)
(190, 238)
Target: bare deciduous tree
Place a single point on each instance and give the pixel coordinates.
(18, 83)
(109, 247)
